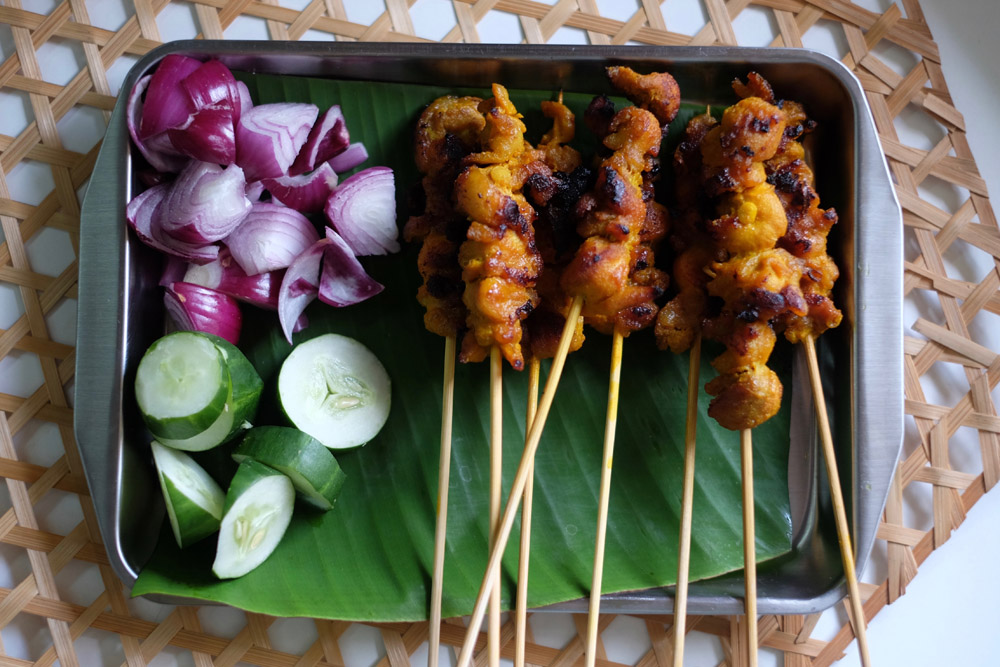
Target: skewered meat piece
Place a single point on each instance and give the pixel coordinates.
(759, 266)
(447, 131)
(614, 271)
(500, 264)
(554, 192)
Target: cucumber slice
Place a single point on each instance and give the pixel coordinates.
(258, 508)
(181, 385)
(194, 501)
(333, 388)
(239, 403)
(314, 471)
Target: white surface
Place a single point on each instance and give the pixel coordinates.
(950, 612)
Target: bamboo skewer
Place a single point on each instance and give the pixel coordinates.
(496, 491)
(840, 514)
(441, 526)
(687, 500)
(520, 480)
(610, 424)
(749, 545)
(521, 609)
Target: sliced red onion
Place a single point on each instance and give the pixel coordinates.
(197, 308)
(300, 286)
(167, 105)
(363, 210)
(269, 136)
(207, 136)
(213, 85)
(306, 193)
(352, 156)
(225, 275)
(246, 102)
(143, 216)
(254, 190)
(173, 270)
(158, 159)
(270, 238)
(344, 281)
(328, 137)
(206, 203)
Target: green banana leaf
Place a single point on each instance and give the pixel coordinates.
(370, 558)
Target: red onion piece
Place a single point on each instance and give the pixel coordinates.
(174, 269)
(207, 136)
(306, 193)
(270, 238)
(158, 159)
(363, 210)
(269, 136)
(213, 85)
(344, 281)
(246, 102)
(300, 286)
(328, 137)
(143, 215)
(254, 190)
(167, 105)
(225, 275)
(206, 203)
(197, 308)
(352, 156)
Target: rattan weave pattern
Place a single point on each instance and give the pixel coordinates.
(40, 552)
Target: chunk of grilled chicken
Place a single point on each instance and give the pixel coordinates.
(447, 131)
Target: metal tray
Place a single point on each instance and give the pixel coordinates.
(120, 309)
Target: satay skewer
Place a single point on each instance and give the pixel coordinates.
(610, 424)
(520, 480)
(496, 491)
(521, 608)
(839, 512)
(749, 545)
(441, 527)
(687, 502)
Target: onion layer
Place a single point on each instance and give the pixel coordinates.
(143, 215)
(167, 104)
(197, 308)
(270, 238)
(328, 137)
(344, 281)
(225, 275)
(306, 193)
(363, 210)
(206, 203)
(269, 136)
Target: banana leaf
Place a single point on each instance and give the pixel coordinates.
(370, 558)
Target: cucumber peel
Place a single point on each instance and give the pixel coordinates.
(310, 466)
(194, 501)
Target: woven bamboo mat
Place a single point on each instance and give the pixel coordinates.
(49, 539)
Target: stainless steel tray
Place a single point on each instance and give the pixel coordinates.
(120, 310)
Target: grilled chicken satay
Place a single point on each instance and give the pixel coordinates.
(756, 245)
(448, 130)
(500, 264)
(613, 271)
(557, 182)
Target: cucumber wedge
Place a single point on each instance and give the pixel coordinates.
(182, 385)
(314, 471)
(258, 509)
(333, 388)
(194, 501)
